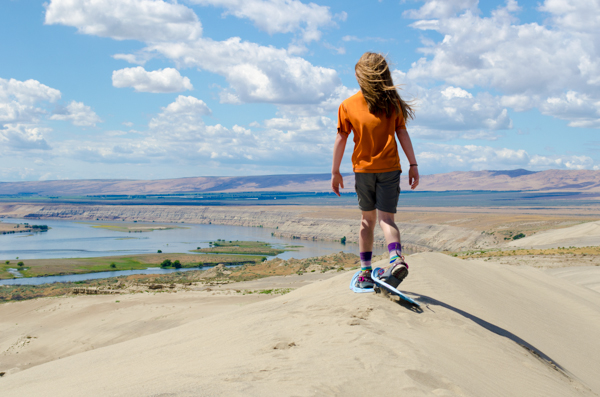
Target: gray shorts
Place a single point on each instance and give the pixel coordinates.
(378, 190)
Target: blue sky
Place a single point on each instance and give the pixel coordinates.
(151, 89)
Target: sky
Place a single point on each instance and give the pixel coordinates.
(153, 89)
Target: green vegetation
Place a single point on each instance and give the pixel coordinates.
(12, 228)
(166, 263)
(343, 240)
(518, 236)
(20, 264)
(177, 280)
(241, 247)
(57, 267)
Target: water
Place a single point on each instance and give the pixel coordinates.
(15, 272)
(408, 198)
(76, 239)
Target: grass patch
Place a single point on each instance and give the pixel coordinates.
(241, 247)
(491, 253)
(58, 267)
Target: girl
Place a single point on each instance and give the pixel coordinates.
(376, 115)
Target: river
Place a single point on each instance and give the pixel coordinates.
(77, 239)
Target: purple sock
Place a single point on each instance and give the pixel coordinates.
(395, 250)
(365, 260)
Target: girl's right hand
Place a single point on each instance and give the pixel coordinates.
(336, 181)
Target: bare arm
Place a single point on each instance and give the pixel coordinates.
(338, 153)
(405, 142)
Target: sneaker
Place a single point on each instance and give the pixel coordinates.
(396, 273)
(364, 280)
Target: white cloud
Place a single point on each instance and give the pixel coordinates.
(574, 15)
(137, 59)
(20, 100)
(323, 108)
(476, 158)
(77, 113)
(21, 106)
(157, 81)
(580, 109)
(145, 20)
(186, 105)
(441, 8)
(455, 92)
(181, 120)
(528, 64)
(449, 112)
(311, 130)
(256, 73)
(279, 16)
(26, 92)
(22, 137)
(179, 135)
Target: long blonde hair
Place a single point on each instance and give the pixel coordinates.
(377, 86)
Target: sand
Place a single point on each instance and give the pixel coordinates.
(584, 235)
(41, 330)
(484, 330)
(585, 276)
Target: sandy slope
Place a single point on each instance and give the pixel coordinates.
(584, 235)
(41, 330)
(322, 339)
(586, 276)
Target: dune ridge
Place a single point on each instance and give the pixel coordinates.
(584, 235)
(485, 329)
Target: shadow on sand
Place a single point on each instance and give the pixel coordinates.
(427, 301)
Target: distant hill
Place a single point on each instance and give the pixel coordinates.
(551, 180)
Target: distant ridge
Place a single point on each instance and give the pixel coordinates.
(496, 180)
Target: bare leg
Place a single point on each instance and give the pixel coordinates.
(390, 230)
(367, 228)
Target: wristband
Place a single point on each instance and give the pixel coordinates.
(414, 165)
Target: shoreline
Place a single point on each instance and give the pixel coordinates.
(423, 229)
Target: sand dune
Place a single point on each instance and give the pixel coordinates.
(586, 276)
(485, 330)
(584, 235)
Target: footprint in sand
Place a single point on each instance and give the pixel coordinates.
(284, 346)
(437, 384)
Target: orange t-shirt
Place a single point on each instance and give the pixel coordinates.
(375, 148)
